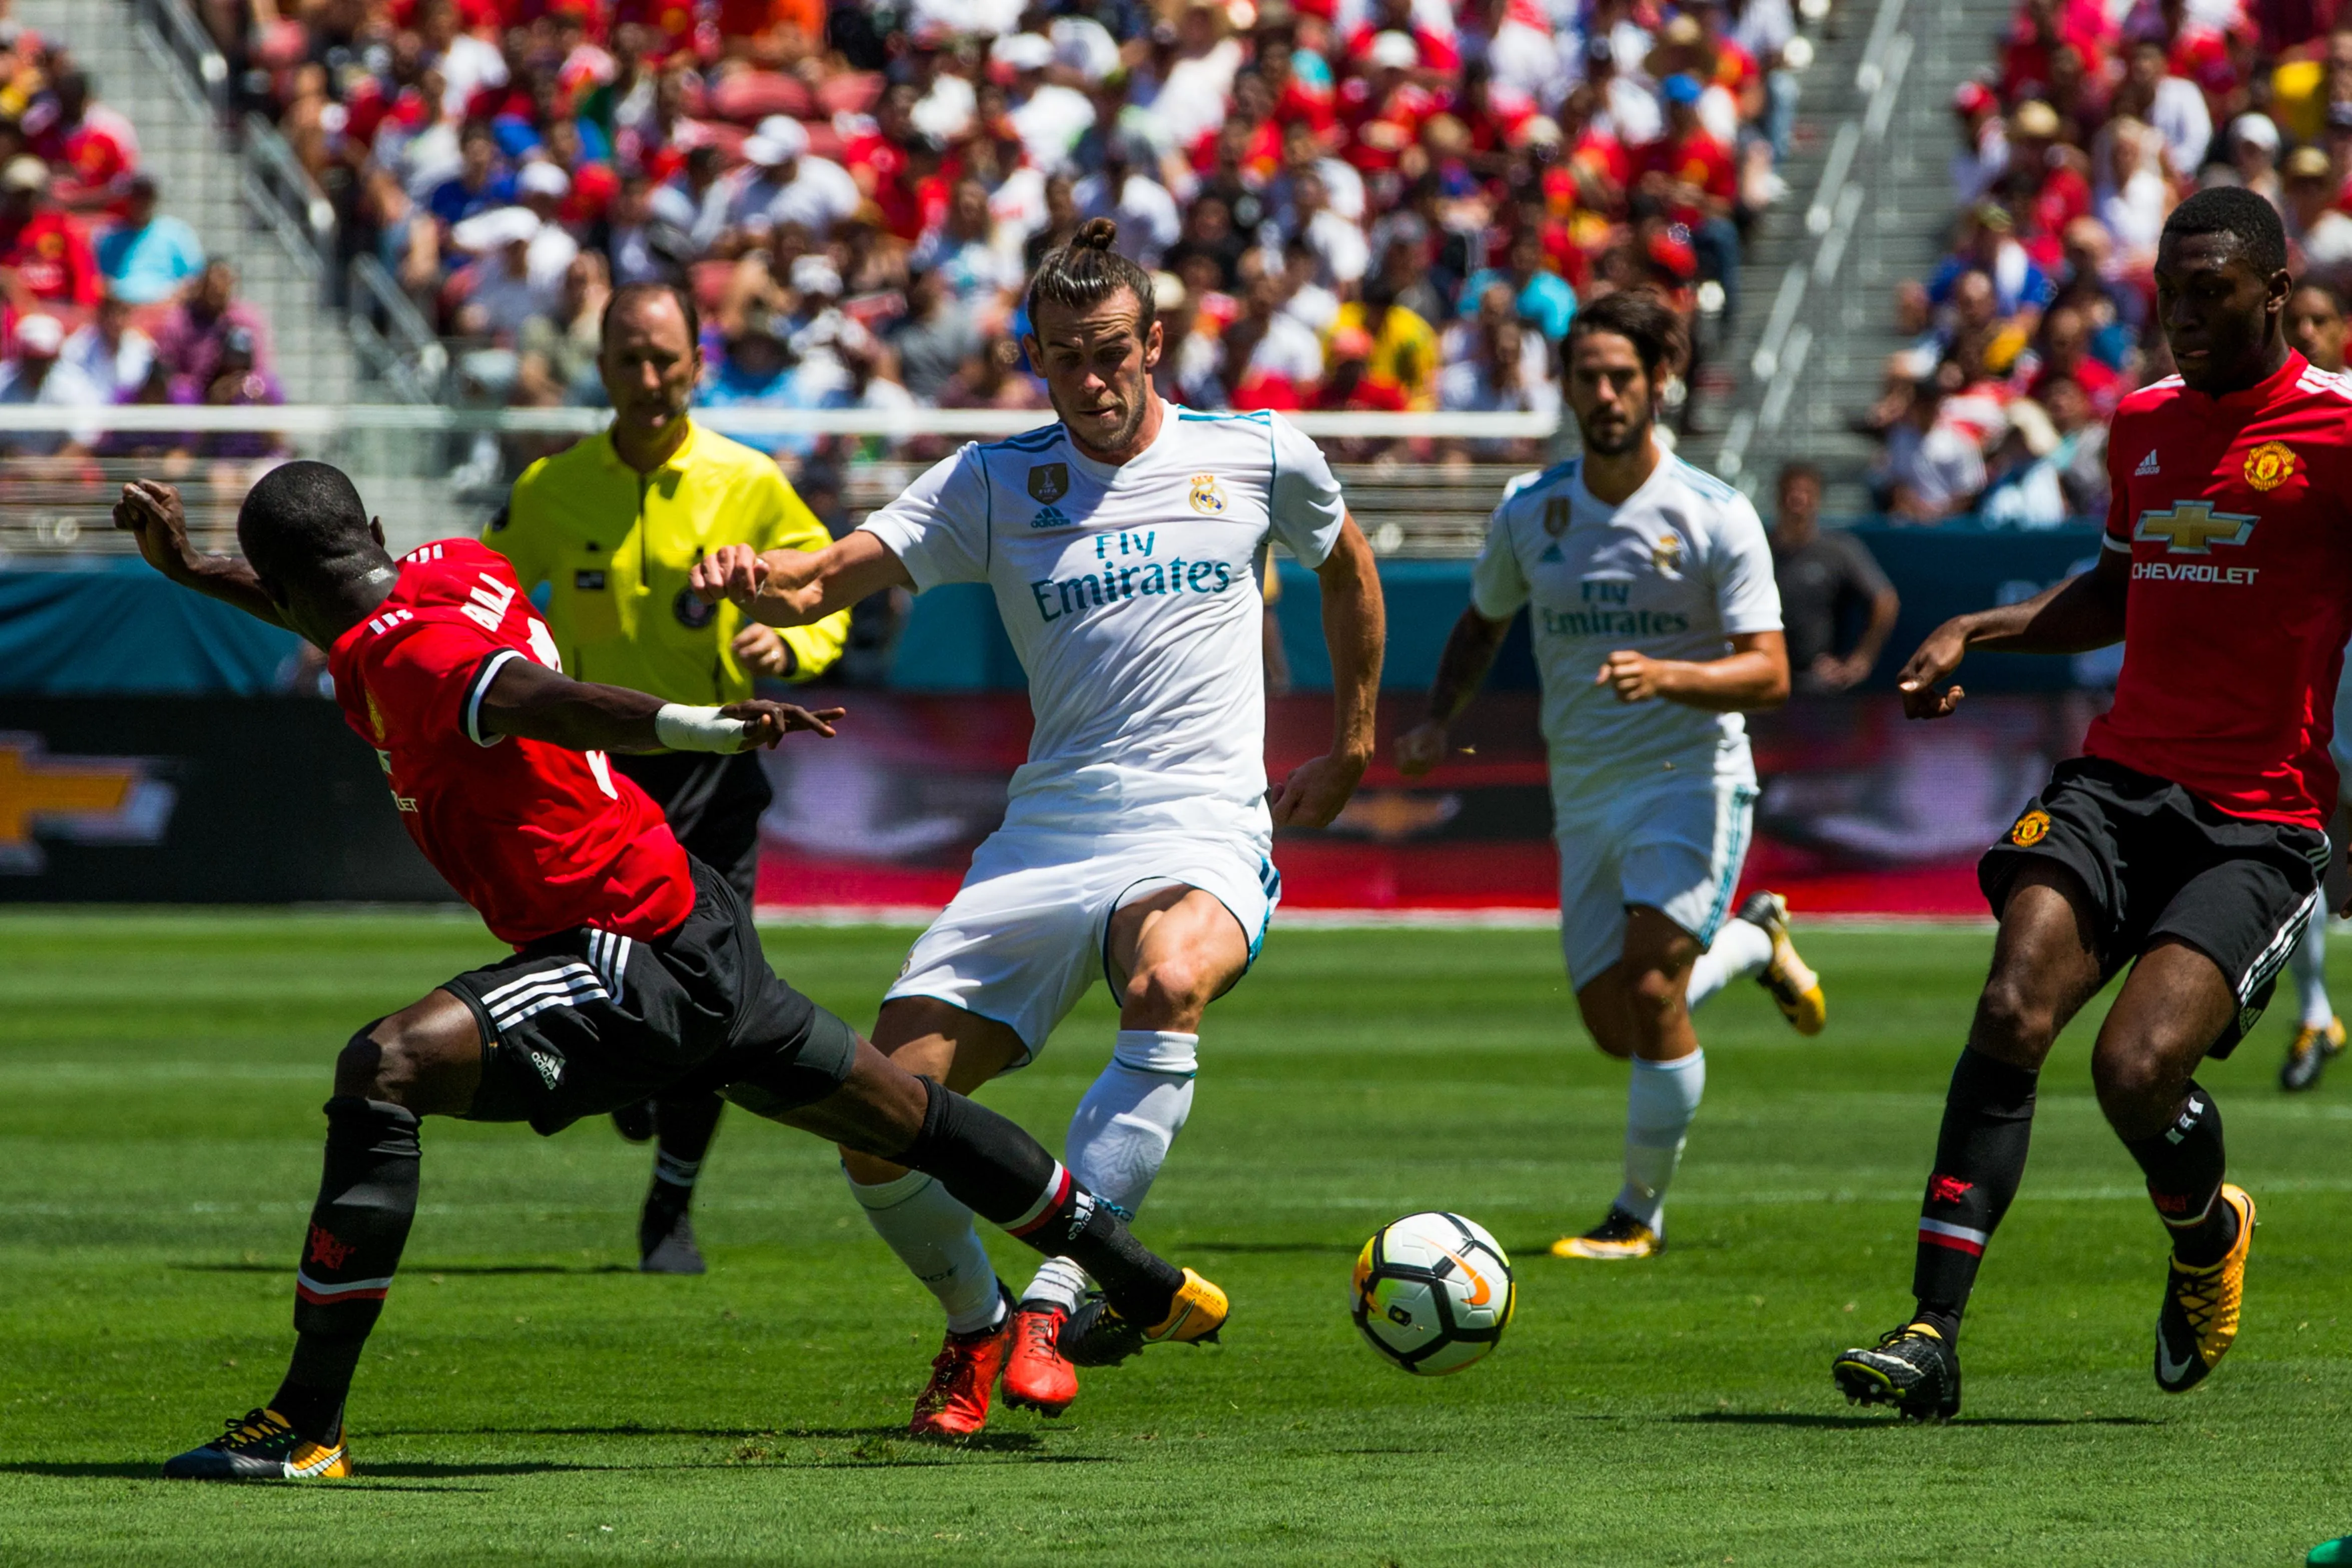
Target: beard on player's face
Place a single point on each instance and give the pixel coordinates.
(1097, 369)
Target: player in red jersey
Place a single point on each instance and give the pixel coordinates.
(635, 968)
(2188, 843)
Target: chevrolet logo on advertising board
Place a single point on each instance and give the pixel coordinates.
(79, 799)
(2194, 527)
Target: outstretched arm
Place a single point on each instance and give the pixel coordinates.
(2082, 612)
(530, 700)
(152, 513)
(1470, 651)
(794, 587)
(1355, 630)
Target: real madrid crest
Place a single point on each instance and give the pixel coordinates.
(2270, 464)
(1049, 482)
(1667, 555)
(1206, 498)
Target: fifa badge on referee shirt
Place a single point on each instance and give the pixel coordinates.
(2270, 466)
(1049, 482)
(2030, 829)
(1206, 498)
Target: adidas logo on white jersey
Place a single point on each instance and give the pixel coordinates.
(2147, 466)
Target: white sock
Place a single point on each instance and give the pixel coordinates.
(1741, 949)
(1659, 1105)
(2310, 966)
(932, 1234)
(1119, 1137)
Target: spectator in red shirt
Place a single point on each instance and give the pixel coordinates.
(2042, 188)
(2065, 352)
(1690, 175)
(96, 147)
(45, 256)
(1432, 52)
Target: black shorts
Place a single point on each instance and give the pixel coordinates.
(579, 1024)
(713, 803)
(2158, 862)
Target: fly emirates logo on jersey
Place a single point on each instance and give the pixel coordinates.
(1126, 565)
(2193, 529)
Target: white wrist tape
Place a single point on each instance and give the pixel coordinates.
(684, 728)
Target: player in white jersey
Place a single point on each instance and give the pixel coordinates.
(1136, 844)
(1649, 589)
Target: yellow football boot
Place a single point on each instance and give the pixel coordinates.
(1096, 1335)
(259, 1446)
(2313, 1047)
(2199, 1316)
(1791, 982)
(1615, 1239)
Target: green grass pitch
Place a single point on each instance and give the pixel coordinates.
(527, 1397)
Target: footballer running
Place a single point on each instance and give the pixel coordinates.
(2187, 843)
(1137, 843)
(636, 970)
(1657, 623)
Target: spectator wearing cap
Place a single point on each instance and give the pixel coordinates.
(114, 354)
(501, 291)
(37, 376)
(188, 338)
(147, 255)
(2253, 157)
(1049, 116)
(1691, 176)
(2320, 230)
(759, 370)
(783, 185)
(1828, 581)
(1540, 295)
(543, 189)
(1983, 152)
(2021, 288)
(44, 255)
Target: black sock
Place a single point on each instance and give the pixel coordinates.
(367, 1200)
(1979, 1159)
(1006, 1176)
(685, 1123)
(2184, 1164)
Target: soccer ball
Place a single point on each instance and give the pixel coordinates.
(1434, 1293)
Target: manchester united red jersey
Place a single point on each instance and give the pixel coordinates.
(2237, 514)
(537, 838)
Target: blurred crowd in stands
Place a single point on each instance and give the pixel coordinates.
(105, 298)
(1347, 205)
(2094, 119)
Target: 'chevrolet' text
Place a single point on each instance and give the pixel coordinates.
(2192, 571)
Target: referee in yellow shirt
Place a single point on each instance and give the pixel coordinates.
(612, 526)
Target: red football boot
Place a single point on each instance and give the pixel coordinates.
(1036, 1377)
(955, 1403)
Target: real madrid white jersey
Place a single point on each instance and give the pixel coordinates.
(1673, 572)
(1129, 596)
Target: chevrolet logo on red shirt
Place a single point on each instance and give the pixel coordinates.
(2193, 528)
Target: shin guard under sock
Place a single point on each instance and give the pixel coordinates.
(1980, 1160)
(367, 1200)
(2184, 1163)
(1004, 1175)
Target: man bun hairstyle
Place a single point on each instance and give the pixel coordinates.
(1642, 319)
(305, 520)
(2247, 218)
(1084, 273)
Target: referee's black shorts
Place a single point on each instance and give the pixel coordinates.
(580, 1023)
(713, 802)
(2158, 862)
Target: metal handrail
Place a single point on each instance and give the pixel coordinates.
(414, 358)
(292, 200)
(177, 28)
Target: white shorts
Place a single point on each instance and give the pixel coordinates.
(1675, 843)
(1024, 936)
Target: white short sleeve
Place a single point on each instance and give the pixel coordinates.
(939, 526)
(1497, 585)
(1306, 503)
(1746, 598)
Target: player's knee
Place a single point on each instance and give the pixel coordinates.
(391, 1060)
(1168, 992)
(2011, 1024)
(2135, 1083)
(1657, 992)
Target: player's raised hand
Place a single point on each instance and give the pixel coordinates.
(730, 573)
(762, 651)
(1316, 791)
(1633, 676)
(766, 723)
(1421, 748)
(1924, 695)
(152, 513)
